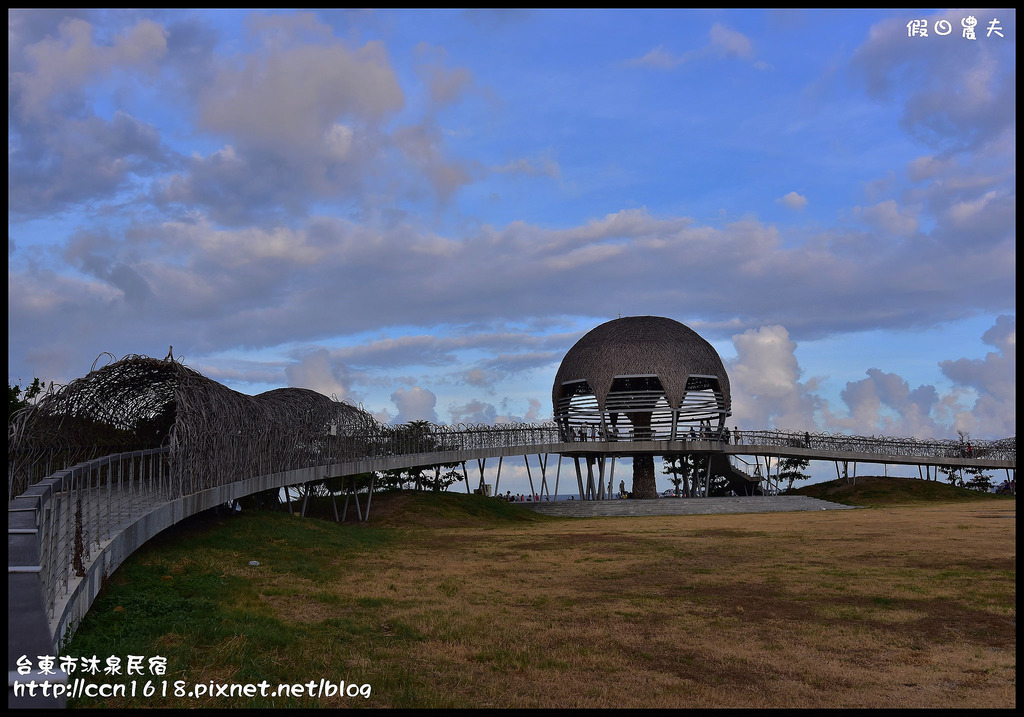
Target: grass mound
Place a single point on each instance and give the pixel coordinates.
(883, 491)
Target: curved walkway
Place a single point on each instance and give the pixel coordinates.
(683, 506)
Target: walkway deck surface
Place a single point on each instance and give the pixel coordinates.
(683, 506)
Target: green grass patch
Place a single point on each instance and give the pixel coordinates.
(868, 491)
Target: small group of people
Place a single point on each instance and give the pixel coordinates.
(581, 435)
(520, 498)
(1007, 487)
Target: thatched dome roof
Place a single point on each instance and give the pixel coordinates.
(637, 345)
(141, 402)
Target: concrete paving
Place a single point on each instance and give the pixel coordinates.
(683, 506)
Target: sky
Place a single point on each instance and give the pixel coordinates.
(421, 211)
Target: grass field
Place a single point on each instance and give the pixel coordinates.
(460, 601)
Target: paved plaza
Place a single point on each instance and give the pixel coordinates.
(683, 506)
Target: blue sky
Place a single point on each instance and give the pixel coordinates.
(421, 211)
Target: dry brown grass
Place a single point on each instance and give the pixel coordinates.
(879, 608)
(885, 607)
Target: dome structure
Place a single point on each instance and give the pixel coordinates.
(216, 435)
(641, 378)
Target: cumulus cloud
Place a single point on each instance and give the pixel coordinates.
(306, 116)
(316, 371)
(993, 381)
(765, 379)
(768, 390)
(473, 412)
(535, 412)
(885, 404)
(414, 404)
(793, 200)
(288, 95)
(476, 411)
(67, 62)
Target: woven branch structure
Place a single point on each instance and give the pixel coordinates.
(215, 435)
(641, 378)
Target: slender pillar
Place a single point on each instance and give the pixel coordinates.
(558, 474)
(579, 477)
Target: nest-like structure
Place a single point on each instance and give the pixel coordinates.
(214, 435)
(641, 377)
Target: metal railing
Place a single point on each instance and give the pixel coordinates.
(90, 503)
(1003, 449)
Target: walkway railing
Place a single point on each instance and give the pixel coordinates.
(80, 508)
(1004, 449)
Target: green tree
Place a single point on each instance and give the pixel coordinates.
(792, 469)
(977, 479)
(954, 475)
(18, 399)
(686, 471)
(419, 437)
(676, 467)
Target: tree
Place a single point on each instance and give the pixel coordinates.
(686, 471)
(792, 469)
(954, 475)
(978, 479)
(17, 399)
(644, 485)
(437, 477)
(676, 468)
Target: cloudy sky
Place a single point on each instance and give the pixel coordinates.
(421, 211)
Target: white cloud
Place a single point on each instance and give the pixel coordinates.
(793, 200)
(414, 404)
(731, 43)
(542, 167)
(659, 59)
(72, 59)
(765, 379)
(473, 412)
(338, 140)
(992, 379)
(954, 95)
(287, 96)
(315, 371)
(768, 391)
(889, 217)
(723, 41)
